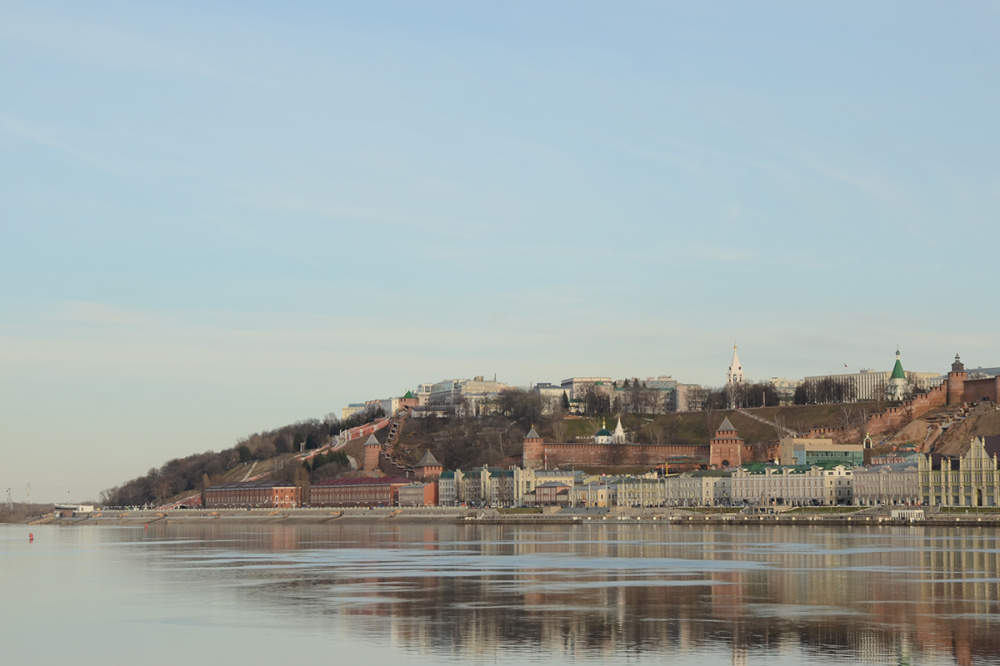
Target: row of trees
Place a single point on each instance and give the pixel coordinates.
(826, 391)
(198, 471)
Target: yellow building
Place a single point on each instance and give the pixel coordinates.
(969, 480)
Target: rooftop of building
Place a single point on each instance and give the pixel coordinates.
(247, 485)
(428, 460)
(365, 481)
(763, 467)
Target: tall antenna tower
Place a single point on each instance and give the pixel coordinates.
(10, 501)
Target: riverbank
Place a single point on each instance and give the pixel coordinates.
(493, 517)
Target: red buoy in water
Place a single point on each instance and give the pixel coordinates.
(31, 537)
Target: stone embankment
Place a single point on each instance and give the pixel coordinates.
(850, 518)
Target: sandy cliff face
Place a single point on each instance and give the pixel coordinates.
(943, 431)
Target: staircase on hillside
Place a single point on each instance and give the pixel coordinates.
(395, 428)
(386, 462)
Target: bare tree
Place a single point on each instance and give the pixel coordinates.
(559, 429)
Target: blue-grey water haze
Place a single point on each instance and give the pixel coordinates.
(431, 594)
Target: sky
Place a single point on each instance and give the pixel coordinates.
(220, 218)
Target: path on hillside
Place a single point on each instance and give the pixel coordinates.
(788, 432)
(249, 472)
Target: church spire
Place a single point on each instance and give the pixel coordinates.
(735, 374)
(619, 435)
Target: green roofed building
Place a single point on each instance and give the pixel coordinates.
(896, 390)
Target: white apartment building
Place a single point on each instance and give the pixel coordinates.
(576, 387)
(552, 396)
(873, 384)
(469, 393)
(449, 487)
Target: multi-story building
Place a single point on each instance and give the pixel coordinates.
(253, 495)
(365, 491)
(690, 397)
(875, 385)
(392, 405)
(969, 480)
(525, 480)
(418, 494)
(895, 457)
(785, 388)
(593, 492)
(449, 488)
(577, 387)
(552, 397)
(352, 409)
(703, 488)
(501, 487)
(475, 486)
(653, 395)
(553, 493)
(424, 393)
(639, 491)
(813, 451)
(764, 484)
(893, 483)
(468, 396)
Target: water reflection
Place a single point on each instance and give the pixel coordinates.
(879, 595)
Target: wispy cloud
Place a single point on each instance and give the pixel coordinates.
(103, 44)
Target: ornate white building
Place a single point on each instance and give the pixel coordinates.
(894, 483)
(970, 480)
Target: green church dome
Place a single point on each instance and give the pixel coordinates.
(897, 370)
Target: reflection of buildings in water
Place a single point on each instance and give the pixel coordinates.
(872, 594)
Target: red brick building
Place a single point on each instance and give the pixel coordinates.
(367, 491)
(552, 493)
(253, 495)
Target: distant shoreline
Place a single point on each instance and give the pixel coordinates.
(492, 517)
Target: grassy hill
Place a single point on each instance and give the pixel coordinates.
(494, 440)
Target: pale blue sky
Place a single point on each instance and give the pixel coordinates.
(220, 218)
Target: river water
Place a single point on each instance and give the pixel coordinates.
(413, 593)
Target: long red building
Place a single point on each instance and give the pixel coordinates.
(253, 495)
(379, 491)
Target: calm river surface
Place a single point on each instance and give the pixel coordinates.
(393, 593)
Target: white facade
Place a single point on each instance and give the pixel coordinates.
(785, 388)
(796, 486)
(872, 384)
(887, 484)
(449, 487)
(469, 393)
(552, 397)
(971, 480)
(576, 387)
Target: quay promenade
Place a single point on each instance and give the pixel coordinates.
(848, 516)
